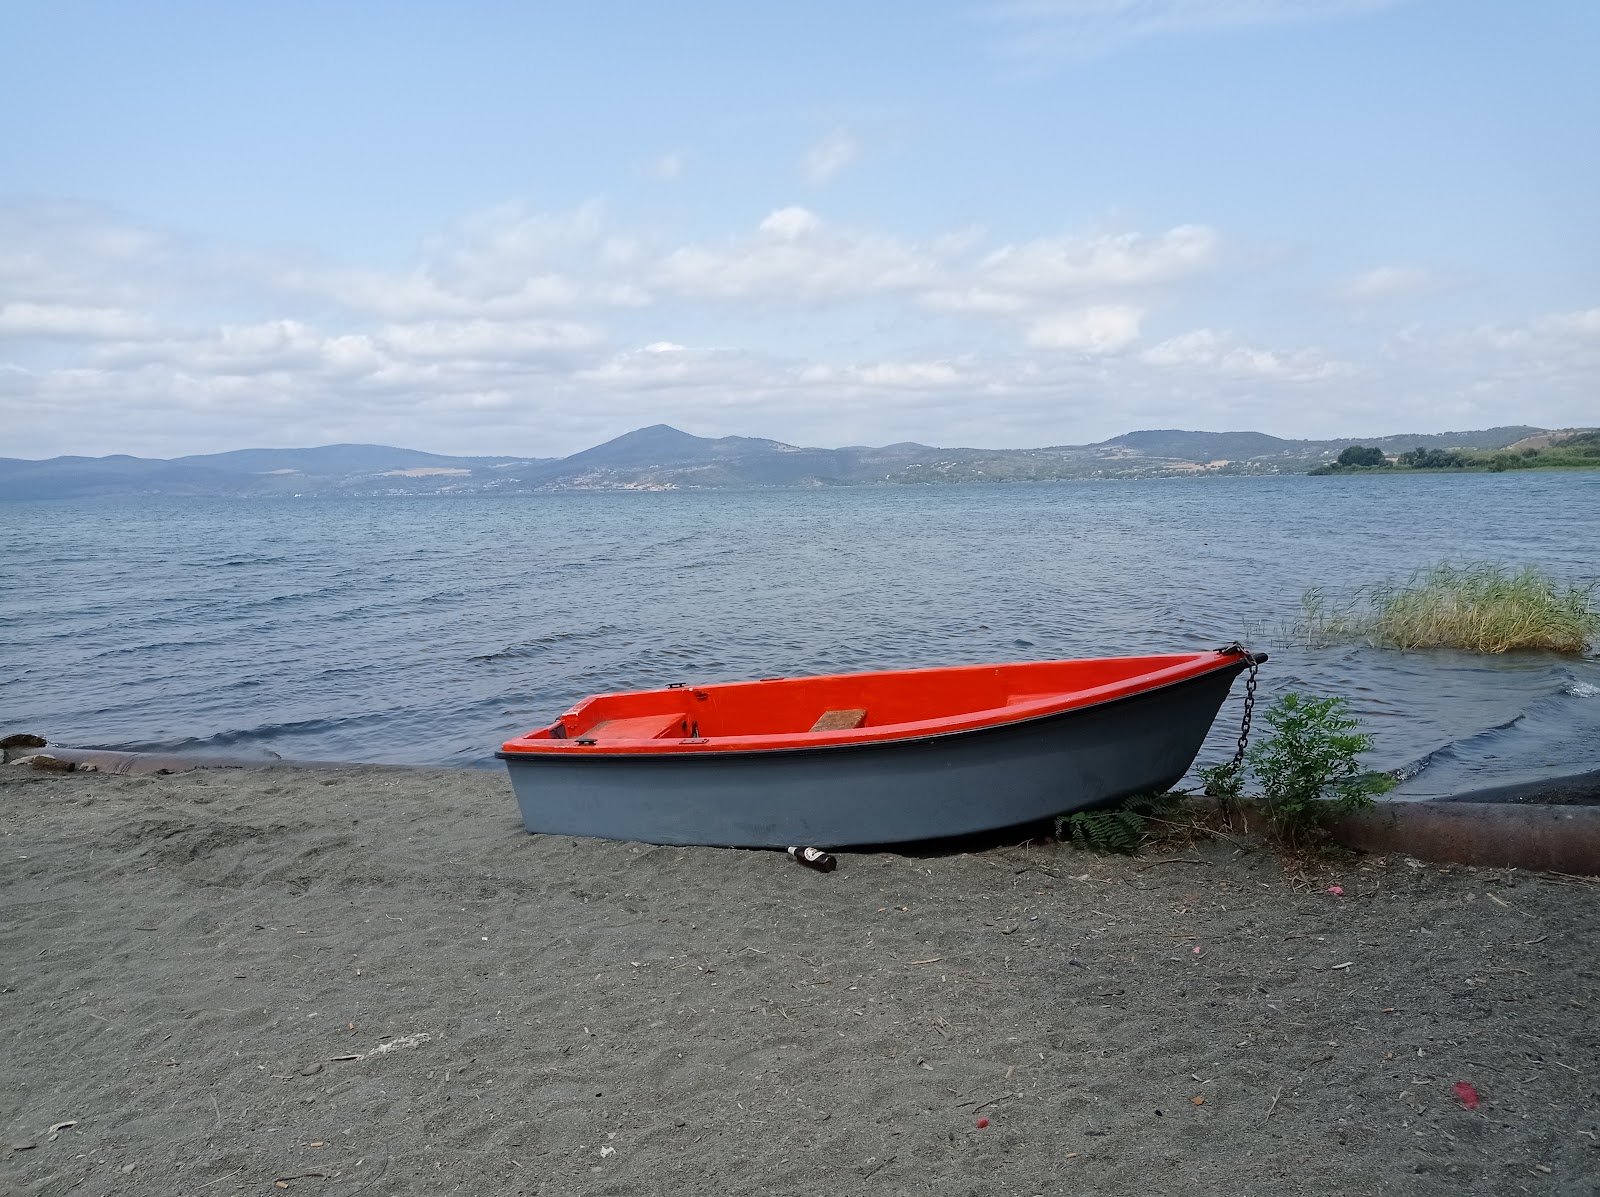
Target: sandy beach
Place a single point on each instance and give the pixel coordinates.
(371, 980)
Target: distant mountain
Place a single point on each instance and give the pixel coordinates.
(345, 469)
(1200, 446)
(662, 457)
(336, 459)
(1178, 445)
(73, 477)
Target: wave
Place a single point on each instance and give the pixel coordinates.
(1555, 736)
(540, 645)
(219, 743)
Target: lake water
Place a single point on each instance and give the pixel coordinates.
(430, 630)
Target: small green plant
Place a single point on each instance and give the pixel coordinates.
(1120, 829)
(1307, 766)
(1225, 783)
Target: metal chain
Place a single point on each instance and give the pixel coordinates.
(1249, 704)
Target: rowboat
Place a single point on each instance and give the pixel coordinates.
(869, 758)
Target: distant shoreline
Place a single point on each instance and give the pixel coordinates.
(1399, 471)
(449, 493)
(665, 458)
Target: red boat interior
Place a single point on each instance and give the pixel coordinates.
(777, 713)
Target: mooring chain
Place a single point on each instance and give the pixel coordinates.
(1249, 704)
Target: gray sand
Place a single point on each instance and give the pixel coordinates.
(371, 981)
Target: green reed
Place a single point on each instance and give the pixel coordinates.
(1481, 607)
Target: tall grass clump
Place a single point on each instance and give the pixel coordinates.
(1483, 607)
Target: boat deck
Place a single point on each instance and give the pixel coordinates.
(850, 708)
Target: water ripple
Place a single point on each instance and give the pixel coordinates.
(428, 632)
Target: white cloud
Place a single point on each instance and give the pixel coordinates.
(503, 262)
(668, 168)
(790, 224)
(418, 294)
(1099, 329)
(1574, 330)
(828, 157)
(77, 254)
(1206, 350)
(895, 375)
(975, 300)
(1065, 30)
(1057, 265)
(503, 334)
(488, 339)
(1583, 326)
(1556, 342)
(1387, 282)
(796, 257)
(665, 365)
(792, 258)
(55, 320)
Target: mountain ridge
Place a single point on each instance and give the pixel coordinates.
(661, 457)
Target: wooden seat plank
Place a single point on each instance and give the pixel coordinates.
(839, 721)
(642, 727)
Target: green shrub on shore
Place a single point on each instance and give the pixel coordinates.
(1483, 608)
(1307, 765)
(1575, 451)
(1432, 459)
(1363, 455)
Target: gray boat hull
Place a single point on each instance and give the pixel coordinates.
(878, 793)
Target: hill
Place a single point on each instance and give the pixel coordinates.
(661, 457)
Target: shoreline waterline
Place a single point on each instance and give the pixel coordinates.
(1575, 789)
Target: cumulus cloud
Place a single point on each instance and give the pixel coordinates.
(68, 322)
(796, 257)
(1559, 332)
(1206, 349)
(975, 300)
(1549, 355)
(1098, 329)
(505, 332)
(1056, 265)
(505, 261)
(793, 257)
(488, 339)
(828, 157)
(790, 224)
(664, 365)
(1386, 282)
(59, 252)
(899, 375)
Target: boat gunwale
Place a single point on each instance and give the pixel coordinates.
(548, 751)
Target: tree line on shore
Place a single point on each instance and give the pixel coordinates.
(1581, 450)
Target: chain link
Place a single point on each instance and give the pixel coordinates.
(1249, 703)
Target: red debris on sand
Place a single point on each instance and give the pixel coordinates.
(1336, 890)
(982, 1122)
(1467, 1094)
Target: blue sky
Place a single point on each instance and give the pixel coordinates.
(526, 228)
